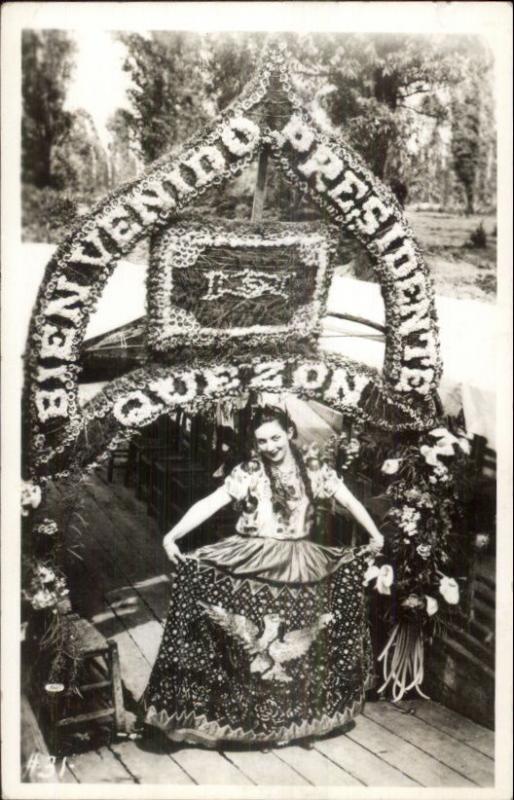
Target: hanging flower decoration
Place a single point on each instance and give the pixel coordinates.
(425, 486)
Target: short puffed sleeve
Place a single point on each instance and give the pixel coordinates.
(326, 482)
(237, 483)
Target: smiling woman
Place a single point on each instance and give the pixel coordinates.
(266, 638)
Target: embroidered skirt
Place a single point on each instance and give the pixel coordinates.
(247, 660)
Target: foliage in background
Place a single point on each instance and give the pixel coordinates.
(47, 64)
(168, 95)
(471, 111)
(419, 109)
(79, 163)
(47, 214)
(390, 96)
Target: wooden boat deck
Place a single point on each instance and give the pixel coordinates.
(121, 585)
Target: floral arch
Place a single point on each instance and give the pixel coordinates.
(268, 113)
(193, 363)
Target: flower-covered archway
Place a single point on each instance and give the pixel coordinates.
(235, 309)
(403, 397)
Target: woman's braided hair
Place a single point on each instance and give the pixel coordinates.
(279, 493)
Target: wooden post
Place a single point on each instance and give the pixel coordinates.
(260, 185)
(117, 689)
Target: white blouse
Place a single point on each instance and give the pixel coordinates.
(250, 488)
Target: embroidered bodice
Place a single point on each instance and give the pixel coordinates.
(249, 486)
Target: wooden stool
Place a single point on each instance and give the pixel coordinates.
(100, 670)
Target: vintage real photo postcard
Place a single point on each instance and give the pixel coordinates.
(256, 407)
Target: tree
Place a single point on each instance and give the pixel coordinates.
(383, 92)
(465, 141)
(80, 161)
(379, 88)
(124, 163)
(168, 97)
(230, 60)
(472, 131)
(47, 63)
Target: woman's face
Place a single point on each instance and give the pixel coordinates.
(272, 441)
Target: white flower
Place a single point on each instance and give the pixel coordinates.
(482, 541)
(423, 550)
(221, 379)
(370, 574)
(465, 445)
(429, 454)
(135, 415)
(384, 576)
(409, 520)
(240, 136)
(48, 527)
(30, 496)
(432, 605)
(54, 688)
(45, 574)
(391, 466)
(310, 376)
(449, 589)
(439, 433)
(298, 133)
(43, 599)
(447, 441)
(170, 389)
(385, 579)
(412, 601)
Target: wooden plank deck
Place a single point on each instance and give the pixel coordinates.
(412, 743)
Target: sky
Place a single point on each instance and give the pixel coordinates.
(98, 83)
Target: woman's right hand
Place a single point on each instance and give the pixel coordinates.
(172, 550)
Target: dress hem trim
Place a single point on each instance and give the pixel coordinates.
(197, 729)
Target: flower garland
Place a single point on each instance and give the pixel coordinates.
(311, 157)
(139, 398)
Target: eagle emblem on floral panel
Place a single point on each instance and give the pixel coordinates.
(269, 649)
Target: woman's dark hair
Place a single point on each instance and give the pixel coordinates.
(261, 416)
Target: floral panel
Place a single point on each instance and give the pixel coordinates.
(214, 282)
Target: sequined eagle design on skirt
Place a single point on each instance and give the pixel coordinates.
(253, 661)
